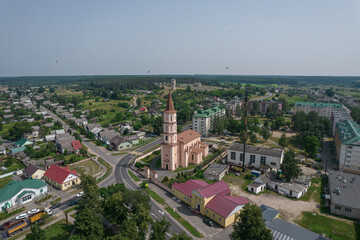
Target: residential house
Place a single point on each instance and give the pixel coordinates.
(119, 143)
(61, 177)
(17, 150)
(81, 122)
(107, 135)
(323, 109)
(21, 192)
(211, 200)
(255, 156)
(76, 146)
(33, 172)
(22, 142)
(35, 132)
(50, 137)
(216, 171)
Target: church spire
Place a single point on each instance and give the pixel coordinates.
(170, 105)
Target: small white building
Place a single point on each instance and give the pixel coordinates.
(255, 156)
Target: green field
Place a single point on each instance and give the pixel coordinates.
(58, 231)
(336, 229)
(293, 99)
(133, 176)
(88, 167)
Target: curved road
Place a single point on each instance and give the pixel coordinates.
(120, 174)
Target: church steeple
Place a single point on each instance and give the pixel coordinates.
(170, 105)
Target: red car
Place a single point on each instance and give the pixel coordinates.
(196, 212)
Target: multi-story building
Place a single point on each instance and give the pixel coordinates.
(339, 114)
(203, 121)
(323, 109)
(347, 143)
(232, 105)
(255, 156)
(173, 84)
(264, 105)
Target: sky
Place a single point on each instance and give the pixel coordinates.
(240, 37)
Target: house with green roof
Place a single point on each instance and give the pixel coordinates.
(323, 109)
(347, 144)
(203, 121)
(22, 142)
(20, 192)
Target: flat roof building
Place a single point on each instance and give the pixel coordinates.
(203, 121)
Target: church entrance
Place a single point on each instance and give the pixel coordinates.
(167, 166)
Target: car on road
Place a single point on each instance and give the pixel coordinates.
(32, 211)
(195, 211)
(174, 198)
(56, 205)
(208, 222)
(80, 194)
(74, 202)
(4, 225)
(48, 210)
(21, 216)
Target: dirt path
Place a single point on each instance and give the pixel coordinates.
(289, 209)
(278, 133)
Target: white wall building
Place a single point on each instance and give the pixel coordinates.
(203, 121)
(255, 156)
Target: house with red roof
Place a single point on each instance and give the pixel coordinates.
(76, 146)
(61, 177)
(212, 200)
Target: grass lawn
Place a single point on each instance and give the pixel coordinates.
(185, 223)
(337, 229)
(4, 181)
(190, 166)
(237, 180)
(121, 153)
(55, 201)
(88, 167)
(108, 169)
(155, 196)
(58, 231)
(45, 198)
(133, 176)
(314, 191)
(293, 99)
(5, 215)
(158, 163)
(70, 209)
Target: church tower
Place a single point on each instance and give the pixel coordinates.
(170, 145)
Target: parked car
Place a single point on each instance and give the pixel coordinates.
(21, 216)
(178, 200)
(80, 194)
(195, 211)
(56, 205)
(48, 210)
(32, 211)
(72, 203)
(208, 222)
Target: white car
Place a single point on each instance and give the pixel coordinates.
(32, 211)
(21, 216)
(49, 212)
(80, 194)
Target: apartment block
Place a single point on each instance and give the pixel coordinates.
(203, 121)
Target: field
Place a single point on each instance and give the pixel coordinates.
(337, 230)
(88, 167)
(58, 231)
(293, 99)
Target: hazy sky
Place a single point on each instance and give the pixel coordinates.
(83, 37)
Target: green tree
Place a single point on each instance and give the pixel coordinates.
(138, 101)
(311, 143)
(283, 141)
(250, 225)
(1, 126)
(158, 125)
(57, 125)
(219, 125)
(253, 138)
(265, 133)
(180, 236)
(273, 111)
(290, 168)
(238, 111)
(36, 233)
(159, 229)
(19, 129)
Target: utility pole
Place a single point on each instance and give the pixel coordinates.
(245, 125)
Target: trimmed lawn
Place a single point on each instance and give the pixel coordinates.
(88, 167)
(59, 230)
(133, 176)
(70, 209)
(237, 180)
(55, 201)
(4, 181)
(180, 169)
(155, 196)
(337, 229)
(108, 169)
(5, 215)
(314, 191)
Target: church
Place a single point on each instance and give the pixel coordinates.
(179, 150)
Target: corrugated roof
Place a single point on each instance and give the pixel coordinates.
(208, 112)
(256, 150)
(76, 144)
(225, 205)
(188, 136)
(321, 105)
(58, 174)
(31, 169)
(13, 187)
(189, 186)
(213, 189)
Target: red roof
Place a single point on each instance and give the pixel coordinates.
(189, 186)
(59, 174)
(170, 105)
(225, 205)
(214, 189)
(142, 108)
(76, 144)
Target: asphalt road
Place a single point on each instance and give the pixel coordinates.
(120, 175)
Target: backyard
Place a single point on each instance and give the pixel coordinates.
(88, 167)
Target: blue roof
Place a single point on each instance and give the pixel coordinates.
(18, 149)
